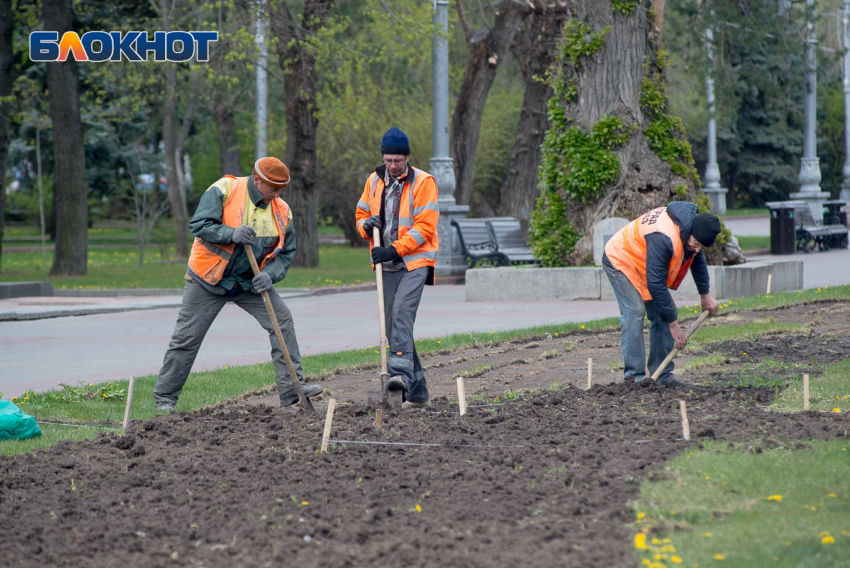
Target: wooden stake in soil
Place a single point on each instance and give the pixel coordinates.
(379, 418)
(589, 373)
(769, 279)
(805, 392)
(461, 396)
(129, 403)
(328, 421)
(686, 427)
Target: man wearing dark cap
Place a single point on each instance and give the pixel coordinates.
(645, 259)
(401, 201)
(234, 212)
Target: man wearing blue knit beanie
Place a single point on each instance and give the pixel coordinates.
(401, 202)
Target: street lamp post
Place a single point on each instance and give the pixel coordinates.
(261, 76)
(712, 187)
(450, 261)
(810, 175)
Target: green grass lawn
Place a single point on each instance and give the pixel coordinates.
(339, 265)
(725, 506)
(753, 243)
(747, 212)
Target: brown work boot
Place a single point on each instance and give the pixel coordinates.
(290, 397)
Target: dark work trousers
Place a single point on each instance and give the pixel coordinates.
(402, 292)
(200, 307)
(632, 311)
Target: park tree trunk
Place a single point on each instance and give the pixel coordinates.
(69, 190)
(179, 209)
(6, 80)
(534, 48)
(486, 49)
(225, 94)
(609, 82)
(182, 136)
(299, 67)
(228, 146)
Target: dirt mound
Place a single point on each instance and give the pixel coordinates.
(541, 481)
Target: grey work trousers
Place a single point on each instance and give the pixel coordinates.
(632, 311)
(197, 312)
(402, 293)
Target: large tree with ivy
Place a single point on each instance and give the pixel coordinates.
(613, 148)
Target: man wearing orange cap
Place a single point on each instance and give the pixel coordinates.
(233, 212)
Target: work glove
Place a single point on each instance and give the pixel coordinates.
(383, 254)
(370, 223)
(244, 235)
(262, 282)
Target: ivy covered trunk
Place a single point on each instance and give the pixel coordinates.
(613, 149)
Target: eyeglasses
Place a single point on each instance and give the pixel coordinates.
(395, 162)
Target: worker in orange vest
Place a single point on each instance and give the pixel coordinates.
(231, 213)
(643, 261)
(402, 202)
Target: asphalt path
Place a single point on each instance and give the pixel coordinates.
(40, 354)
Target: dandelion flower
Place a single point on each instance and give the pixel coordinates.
(836, 410)
(582, 327)
(418, 508)
(775, 498)
(832, 495)
(305, 503)
(675, 560)
(720, 557)
(640, 542)
(828, 540)
(641, 515)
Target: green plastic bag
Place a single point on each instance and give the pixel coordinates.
(14, 424)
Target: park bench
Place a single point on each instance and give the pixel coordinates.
(811, 232)
(511, 240)
(478, 242)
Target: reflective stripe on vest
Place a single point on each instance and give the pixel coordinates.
(626, 250)
(209, 260)
(421, 256)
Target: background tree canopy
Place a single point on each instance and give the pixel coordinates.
(156, 135)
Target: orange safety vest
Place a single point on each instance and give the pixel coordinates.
(418, 242)
(209, 260)
(627, 250)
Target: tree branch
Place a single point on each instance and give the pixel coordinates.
(483, 15)
(461, 15)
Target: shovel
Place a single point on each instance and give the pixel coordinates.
(305, 402)
(380, 400)
(673, 353)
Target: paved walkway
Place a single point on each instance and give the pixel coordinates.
(42, 353)
(126, 336)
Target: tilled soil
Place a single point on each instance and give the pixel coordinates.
(541, 480)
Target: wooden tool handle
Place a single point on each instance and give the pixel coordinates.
(305, 402)
(382, 322)
(675, 350)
